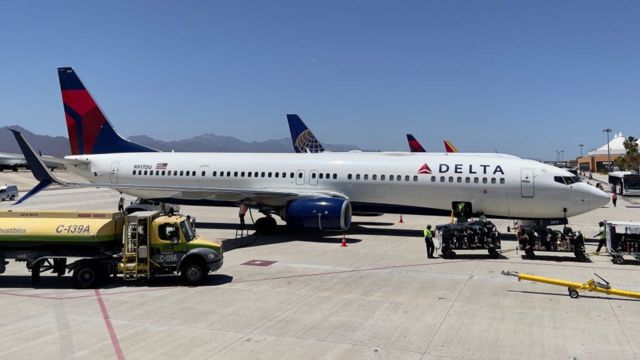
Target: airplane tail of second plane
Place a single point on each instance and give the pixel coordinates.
(89, 130)
(449, 147)
(414, 145)
(303, 139)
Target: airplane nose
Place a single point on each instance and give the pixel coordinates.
(598, 197)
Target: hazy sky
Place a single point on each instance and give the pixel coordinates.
(521, 77)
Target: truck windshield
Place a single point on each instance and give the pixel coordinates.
(188, 232)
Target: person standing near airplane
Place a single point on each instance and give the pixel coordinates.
(428, 239)
(121, 204)
(241, 213)
(614, 198)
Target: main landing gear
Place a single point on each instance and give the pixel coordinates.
(266, 225)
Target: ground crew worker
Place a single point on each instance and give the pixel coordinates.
(461, 212)
(614, 198)
(603, 237)
(428, 239)
(121, 204)
(241, 213)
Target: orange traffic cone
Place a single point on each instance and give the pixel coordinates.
(344, 241)
(401, 221)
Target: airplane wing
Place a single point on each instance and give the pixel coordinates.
(272, 197)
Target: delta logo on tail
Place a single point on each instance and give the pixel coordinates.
(414, 145)
(424, 169)
(448, 146)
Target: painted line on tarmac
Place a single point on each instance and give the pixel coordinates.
(85, 294)
(107, 321)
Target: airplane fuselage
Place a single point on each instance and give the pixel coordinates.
(496, 184)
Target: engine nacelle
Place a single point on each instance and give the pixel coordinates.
(323, 213)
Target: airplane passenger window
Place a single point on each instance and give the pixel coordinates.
(175, 172)
(214, 173)
(415, 177)
(391, 178)
(242, 174)
(134, 173)
(157, 172)
(459, 179)
(255, 174)
(476, 180)
(235, 174)
(349, 176)
(450, 179)
(406, 178)
(221, 173)
(270, 174)
(169, 173)
(327, 176)
(249, 173)
(433, 179)
(300, 175)
(203, 173)
(374, 177)
(501, 180)
(162, 172)
(382, 177)
(228, 173)
(357, 176)
(467, 180)
(313, 175)
(181, 172)
(321, 175)
(441, 178)
(277, 174)
(398, 177)
(484, 180)
(366, 176)
(284, 175)
(193, 173)
(291, 175)
(493, 180)
(262, 174)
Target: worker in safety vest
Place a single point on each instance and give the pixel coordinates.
(428, 239)
(603, 237)
(121, 204)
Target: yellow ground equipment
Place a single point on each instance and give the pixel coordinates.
(574, 287)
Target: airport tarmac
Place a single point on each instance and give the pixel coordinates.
(302, 296)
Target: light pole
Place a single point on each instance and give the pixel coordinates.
(608, 131)
(581, 146)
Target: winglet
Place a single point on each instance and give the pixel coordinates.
(414, 145)
(449, 147)
(303, 139)
(39, 170)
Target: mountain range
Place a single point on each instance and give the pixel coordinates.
(59, 145)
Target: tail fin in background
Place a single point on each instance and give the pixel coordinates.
(89, 130)
(414, 145)
(449, 147)
(303, 139)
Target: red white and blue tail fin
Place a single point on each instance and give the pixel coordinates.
(449, 147)
(414, 145)
(89, 130)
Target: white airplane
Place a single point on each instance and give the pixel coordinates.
(318, 191)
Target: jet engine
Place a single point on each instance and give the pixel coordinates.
(322, 213)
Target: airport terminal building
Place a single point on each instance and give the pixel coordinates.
(597, 159)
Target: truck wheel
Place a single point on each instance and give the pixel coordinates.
(573, 293)
(12, 197)
(84, 276)
(493, 253)
(35, 271)
(193, 273)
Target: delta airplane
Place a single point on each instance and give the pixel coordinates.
(319, 191)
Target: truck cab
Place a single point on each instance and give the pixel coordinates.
(156, 244)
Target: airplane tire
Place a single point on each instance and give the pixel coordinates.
(266, 225)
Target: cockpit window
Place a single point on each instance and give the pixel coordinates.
(568, 180)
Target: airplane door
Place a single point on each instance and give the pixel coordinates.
(313, 177)
(203, 176)
(300, 177)
(526, 183)
(113, 174)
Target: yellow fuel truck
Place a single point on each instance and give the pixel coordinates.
(96, 245)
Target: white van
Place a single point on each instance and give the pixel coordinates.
(151, 205)
(8, 192)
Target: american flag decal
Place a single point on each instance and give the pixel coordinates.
(161, 166)
(424, 169)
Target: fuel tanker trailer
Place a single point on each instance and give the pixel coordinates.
(96, 245)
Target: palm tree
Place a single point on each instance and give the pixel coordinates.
(631, 145)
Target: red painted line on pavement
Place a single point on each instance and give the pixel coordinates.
(107, 321)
